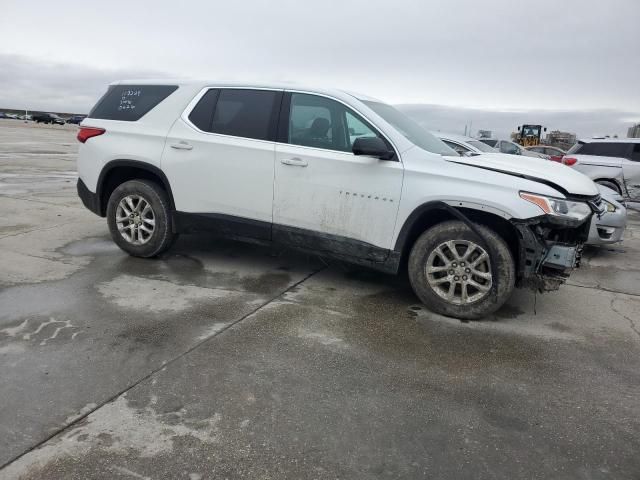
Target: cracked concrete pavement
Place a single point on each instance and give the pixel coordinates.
(224, 360)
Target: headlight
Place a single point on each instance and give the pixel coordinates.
(558, 206)
(610, 206)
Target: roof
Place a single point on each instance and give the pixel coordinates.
(253, 84)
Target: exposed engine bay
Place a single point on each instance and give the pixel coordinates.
(550, 248)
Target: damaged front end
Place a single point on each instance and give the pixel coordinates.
(550, 247)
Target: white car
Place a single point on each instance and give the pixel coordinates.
(605, 229)
(612, 162)
(335, 173)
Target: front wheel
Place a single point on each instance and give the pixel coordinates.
(139, 218)
(458, 275)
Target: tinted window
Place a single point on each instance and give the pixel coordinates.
(246, 113)
(635, 154)
(604, 149)
(202, 114)
(324, 123)
(130, 102)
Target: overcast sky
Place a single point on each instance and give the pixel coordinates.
(568, 60)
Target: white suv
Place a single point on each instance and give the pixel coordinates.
(612, 162)
(334, 173)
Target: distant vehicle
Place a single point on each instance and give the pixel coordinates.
(554, 153)
(3, 115)
(612, 162)
(512, 148)
(604, 229)
(529, 135)
(12, 116)
(609, 227)
(492, 142)
(331, 172)
(76, 119)
(47, 118)
(464, 145)
(25, 117)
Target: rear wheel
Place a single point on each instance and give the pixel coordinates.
(456, 274)
(139, 218)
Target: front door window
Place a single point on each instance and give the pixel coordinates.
(321, 122)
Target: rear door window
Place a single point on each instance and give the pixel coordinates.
(202, 114)
(246, 113)
(130, 103)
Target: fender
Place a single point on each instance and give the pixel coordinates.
(109, 166)
(435, 205)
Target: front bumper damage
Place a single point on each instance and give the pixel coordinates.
(549, 248)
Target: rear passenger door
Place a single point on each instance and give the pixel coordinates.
(219, 159)
(327, 198)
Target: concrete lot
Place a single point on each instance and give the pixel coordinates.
(224, 360)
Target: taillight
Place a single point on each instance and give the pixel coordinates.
(85, 133)
(556, 158)
(570, 161)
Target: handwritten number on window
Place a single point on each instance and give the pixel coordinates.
(128, 98)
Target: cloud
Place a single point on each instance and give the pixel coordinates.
(489, 54)
(27, 83)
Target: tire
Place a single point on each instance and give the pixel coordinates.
(135, 238)
(494, 275)
(610, 184)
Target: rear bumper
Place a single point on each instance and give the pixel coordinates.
(89, 199)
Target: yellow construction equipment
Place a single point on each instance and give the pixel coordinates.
(529, 135)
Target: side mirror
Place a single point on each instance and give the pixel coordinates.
(372, 147)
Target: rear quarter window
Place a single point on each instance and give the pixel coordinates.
(130, 102)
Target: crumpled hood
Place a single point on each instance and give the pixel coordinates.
(561, 177)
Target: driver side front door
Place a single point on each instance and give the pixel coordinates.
(325, 197)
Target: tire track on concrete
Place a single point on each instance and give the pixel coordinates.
(163, 365)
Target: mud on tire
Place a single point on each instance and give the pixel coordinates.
(439, 247)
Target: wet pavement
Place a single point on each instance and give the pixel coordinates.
(225, 360)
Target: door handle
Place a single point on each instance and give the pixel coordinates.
(182, 146)
(295, 162)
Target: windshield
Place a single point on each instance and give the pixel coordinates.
(483, 147)
(410, 129)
